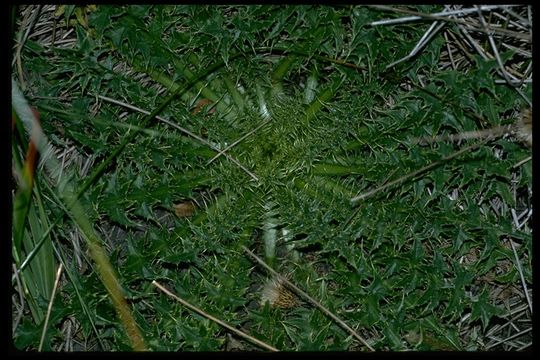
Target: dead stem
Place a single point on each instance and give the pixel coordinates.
(214, 319)
(49, 308)
(413, 174)
(185, 131)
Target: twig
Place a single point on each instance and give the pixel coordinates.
(413, 174)
(210, 317)
(49, 308)
(185, 131)
(309, 298)
(66, 329)
(519, 310)
(222, 152)
(61, 256)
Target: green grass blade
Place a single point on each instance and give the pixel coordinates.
(78, 215)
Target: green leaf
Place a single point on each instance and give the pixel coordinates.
(84, 42)
(27, 336)
(68, 11)
(117, 36)
(482, 309)
(393, 338)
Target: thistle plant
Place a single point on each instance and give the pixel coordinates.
(291, 131)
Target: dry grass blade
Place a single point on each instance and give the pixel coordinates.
(518, 164)
(26, 26)
(522, 277)
(472, 26)
(502, 341)
(428, 35)
(309, 298)
(49, 308)
(413, 174)
(508, 77)
(185, 131)
(515, 333)
(521, 130)
(467, 135)
(459, 12)
(21, 298)
(214, 319)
